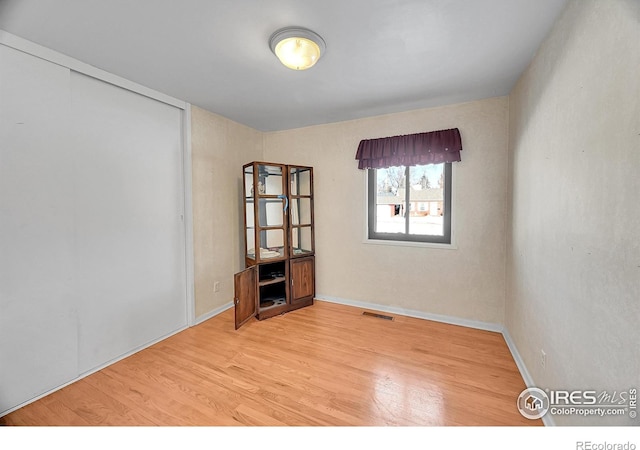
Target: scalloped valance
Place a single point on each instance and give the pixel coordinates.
(433, 147)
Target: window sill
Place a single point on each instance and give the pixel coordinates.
(410, 244)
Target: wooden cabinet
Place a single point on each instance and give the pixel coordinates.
(279, 241)
(302, 272)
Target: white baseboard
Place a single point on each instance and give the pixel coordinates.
(526, 376)
(199, 320)
(213, 313)
(94, 370)
(487, 326)
(522, 367)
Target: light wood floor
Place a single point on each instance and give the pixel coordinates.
(322, 365)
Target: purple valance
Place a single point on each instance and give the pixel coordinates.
(434, 147)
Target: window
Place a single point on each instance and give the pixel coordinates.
(410, 203)
(409, 185)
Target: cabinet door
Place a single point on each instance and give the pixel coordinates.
(302, 274)
(301, 211)
(266, 205)
(245, 293)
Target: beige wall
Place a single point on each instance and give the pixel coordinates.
(574, 247)
(219, 149)
(467, 282)
(546, 215)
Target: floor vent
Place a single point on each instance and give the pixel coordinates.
(379, 316)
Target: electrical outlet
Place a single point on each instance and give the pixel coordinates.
(543, 359)
(216, 286)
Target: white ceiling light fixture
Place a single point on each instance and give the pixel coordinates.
(297, 48)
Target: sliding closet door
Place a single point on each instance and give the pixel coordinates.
(129, 220)
(38, 326)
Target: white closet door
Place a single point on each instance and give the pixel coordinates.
(129, 220)
(38, 325)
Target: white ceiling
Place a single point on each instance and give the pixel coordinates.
(382, 56)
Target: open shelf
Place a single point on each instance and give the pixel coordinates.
(272, 302)
(269, 281)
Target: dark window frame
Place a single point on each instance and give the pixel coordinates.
(372, 192)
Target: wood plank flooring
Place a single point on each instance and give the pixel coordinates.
(327, 364)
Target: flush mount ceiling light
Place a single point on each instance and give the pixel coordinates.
(297, 48)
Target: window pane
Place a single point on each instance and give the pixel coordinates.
(390, 200)
(426, 200)
(410, 203)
